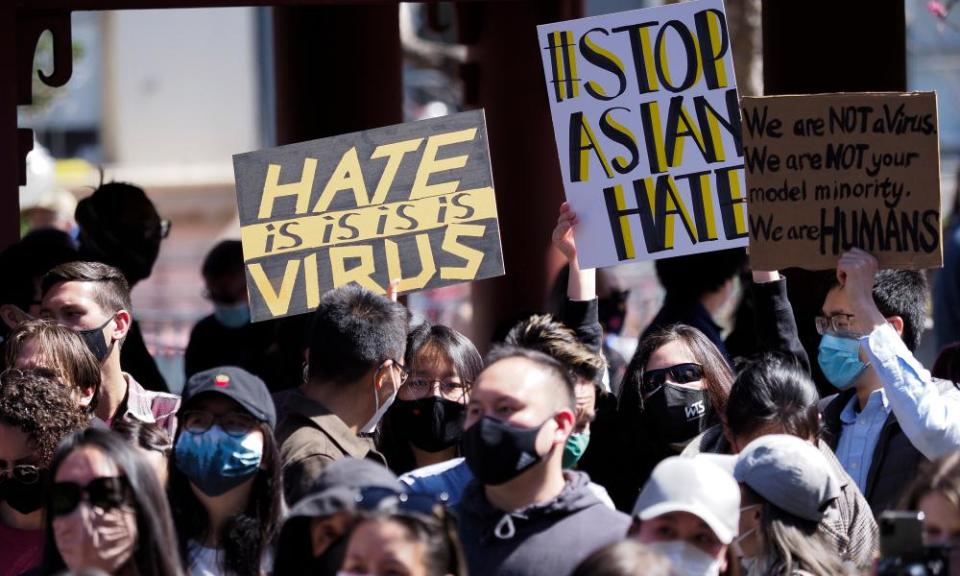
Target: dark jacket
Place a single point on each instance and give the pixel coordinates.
(692, 313)
(137, 361)
(548, 539)
(212, 344)
(895, 460)
(310, 438)
(603, 453)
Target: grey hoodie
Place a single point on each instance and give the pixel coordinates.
(548, 539)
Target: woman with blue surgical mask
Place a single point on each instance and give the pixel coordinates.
(225, 480)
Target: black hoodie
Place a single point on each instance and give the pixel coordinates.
(549, 539)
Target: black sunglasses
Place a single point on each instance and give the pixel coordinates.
(105, 493)
(22, 473)
(678, 374)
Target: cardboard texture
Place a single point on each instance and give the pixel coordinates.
(829, 172)
(413, 202)
(647, 124)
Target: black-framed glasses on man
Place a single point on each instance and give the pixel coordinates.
(165, 226)
(404, 371)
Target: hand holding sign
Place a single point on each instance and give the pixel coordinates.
(857, 272)
(563, 237)
(647, 125)
(829, 172)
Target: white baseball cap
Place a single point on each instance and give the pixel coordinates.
(694, 485)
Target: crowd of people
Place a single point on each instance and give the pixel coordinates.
(365, 440)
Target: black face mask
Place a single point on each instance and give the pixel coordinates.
(96, 342)
(497, 452)
(431, 424)
(329, 563)
(675, 414)
(24, 498)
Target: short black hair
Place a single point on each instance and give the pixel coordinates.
(353, 331)
(690, 277)
(112, 290)
(30, 258)
(223, 259)
(772, 389)
(901, 293)
(566, 385)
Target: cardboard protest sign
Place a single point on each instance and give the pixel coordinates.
(647, 124)
(413, 202)
(829, 172)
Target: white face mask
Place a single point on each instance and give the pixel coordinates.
(737, 548)
(371, 426)
(687, 559)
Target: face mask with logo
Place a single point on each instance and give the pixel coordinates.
(839, 358)
(232, 315)
(687, 559)
(216, 462)
(431, 424)
(96, 342)
(95, 538)
(497, 452)
(574, 448)
(371, 426)
(22, 497)
(676, 414)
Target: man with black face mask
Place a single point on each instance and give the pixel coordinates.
(93, 299)
(37, 410)
(523, 514)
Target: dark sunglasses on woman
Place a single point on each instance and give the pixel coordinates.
(678, 374)
(105, 493)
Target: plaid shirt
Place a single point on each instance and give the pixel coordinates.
(150, 407)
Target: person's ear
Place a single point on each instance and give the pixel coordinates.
(897, 323)
(12, 316)
(566, 421)
(122, 321)
(86, 395)
(386, 379)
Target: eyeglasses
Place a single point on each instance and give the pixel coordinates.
(678, 374)
(836, 324)
(165, 226)
(392, 502)
(421, 386)
(24, 474)
(404, 371)
(233, 423)
(105, 493)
